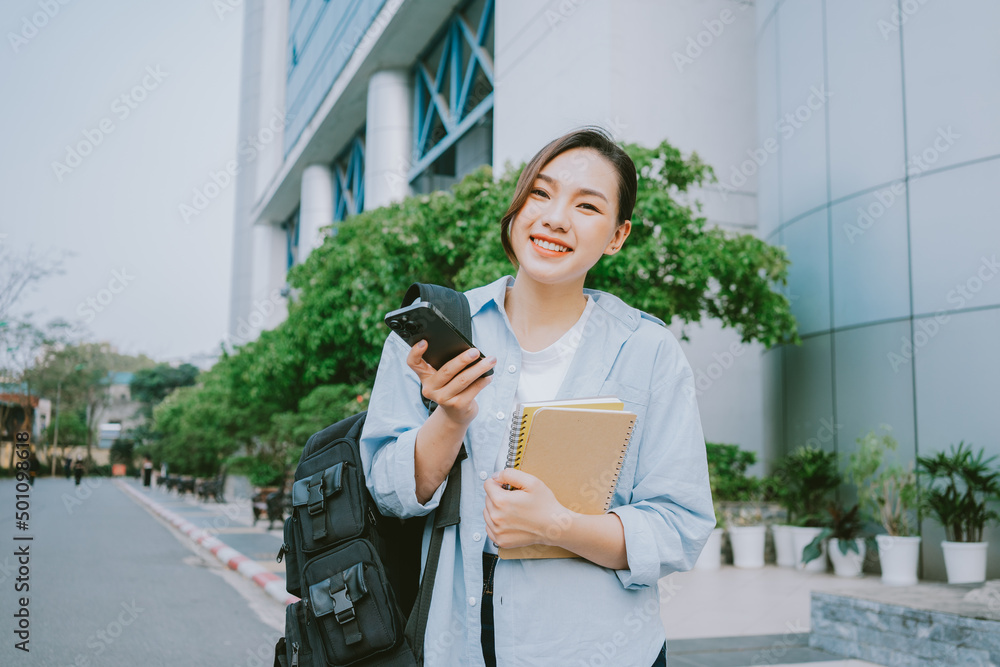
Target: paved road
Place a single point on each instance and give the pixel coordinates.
(110, 584)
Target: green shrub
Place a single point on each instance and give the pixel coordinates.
(961, 488)
(727, 468)
(804, 481)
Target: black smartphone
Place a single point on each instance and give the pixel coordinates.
(422, 321)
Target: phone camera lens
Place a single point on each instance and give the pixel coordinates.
(394, 325)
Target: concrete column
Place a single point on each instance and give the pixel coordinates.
(270, 131)
(266, 307)
(388, 137)
(315, 208)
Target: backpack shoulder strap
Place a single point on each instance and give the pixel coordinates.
(453, 304)
(455, 307)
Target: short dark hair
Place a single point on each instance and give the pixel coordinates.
(596, 139)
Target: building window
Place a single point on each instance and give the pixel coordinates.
(291, 227)
(349, 179)
(107, 434)
(453, 91)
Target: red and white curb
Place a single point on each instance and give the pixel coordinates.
(231, 558)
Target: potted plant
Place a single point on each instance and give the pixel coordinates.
(961, 487)
(746, 535)
(848, 535)
(775, 488)
(810, 476)
(889, 494)
(744, 519)
(711, 554)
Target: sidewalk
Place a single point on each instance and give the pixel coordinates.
(225, 529)
(733, 617)
(726, 618)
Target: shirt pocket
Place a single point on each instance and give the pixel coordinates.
(636, 400)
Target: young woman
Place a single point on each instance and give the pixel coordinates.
(548, 338)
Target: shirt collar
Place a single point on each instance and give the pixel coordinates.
(496, 292)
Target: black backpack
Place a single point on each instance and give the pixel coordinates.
(356, 570)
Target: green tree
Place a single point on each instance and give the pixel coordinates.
(149, 386)
(198, 427)
(78, 374)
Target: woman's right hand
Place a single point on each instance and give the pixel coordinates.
(451, 387)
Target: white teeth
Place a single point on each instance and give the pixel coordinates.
(549, 246)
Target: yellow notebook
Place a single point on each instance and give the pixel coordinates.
(521, 421)
(578, 453)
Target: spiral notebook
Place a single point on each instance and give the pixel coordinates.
(578, 452)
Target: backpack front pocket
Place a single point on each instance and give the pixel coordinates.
(347, 593)
(328, 506)
(298, 652)
(290, 553)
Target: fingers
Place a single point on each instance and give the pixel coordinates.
(443, 388)
(491, 529)
(415, 360)
(490, 502)
(518, 479)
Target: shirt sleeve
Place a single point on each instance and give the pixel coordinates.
(389, 436)
(671, 515)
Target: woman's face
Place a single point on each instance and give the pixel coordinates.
(570, 218)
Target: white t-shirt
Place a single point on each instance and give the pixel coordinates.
(542, 373)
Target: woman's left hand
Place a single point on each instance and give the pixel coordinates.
(526, 514)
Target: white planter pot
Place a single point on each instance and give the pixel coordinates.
(850, 564)
(711, 555)
(965, 562)
(801, 537)
(898, 556)
(748, 545)
(783, 550)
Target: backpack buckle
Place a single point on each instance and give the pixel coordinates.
(316, 502)
(337, 594)
(342, 606)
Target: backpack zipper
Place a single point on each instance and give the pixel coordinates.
(295, 654)
(282, 551)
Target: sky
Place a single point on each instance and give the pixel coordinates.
(114, 113)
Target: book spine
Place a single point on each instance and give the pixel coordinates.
(618, 469)
(516, 438)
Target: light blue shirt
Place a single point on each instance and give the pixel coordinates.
(555, 611)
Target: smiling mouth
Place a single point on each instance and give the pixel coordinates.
(548, 245)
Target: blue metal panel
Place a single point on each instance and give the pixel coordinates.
(433, 154)
(291, 227)
(323, 35)
(463, 54)
(349, 179)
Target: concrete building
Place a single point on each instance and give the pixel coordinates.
(350, 105)
(885, 116)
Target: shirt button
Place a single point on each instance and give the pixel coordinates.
(511, 368)
(472, 602)
(476, 537)
(482, 474)
(500, 415)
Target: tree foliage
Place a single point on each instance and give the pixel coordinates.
(269, 394)
(149, 386)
